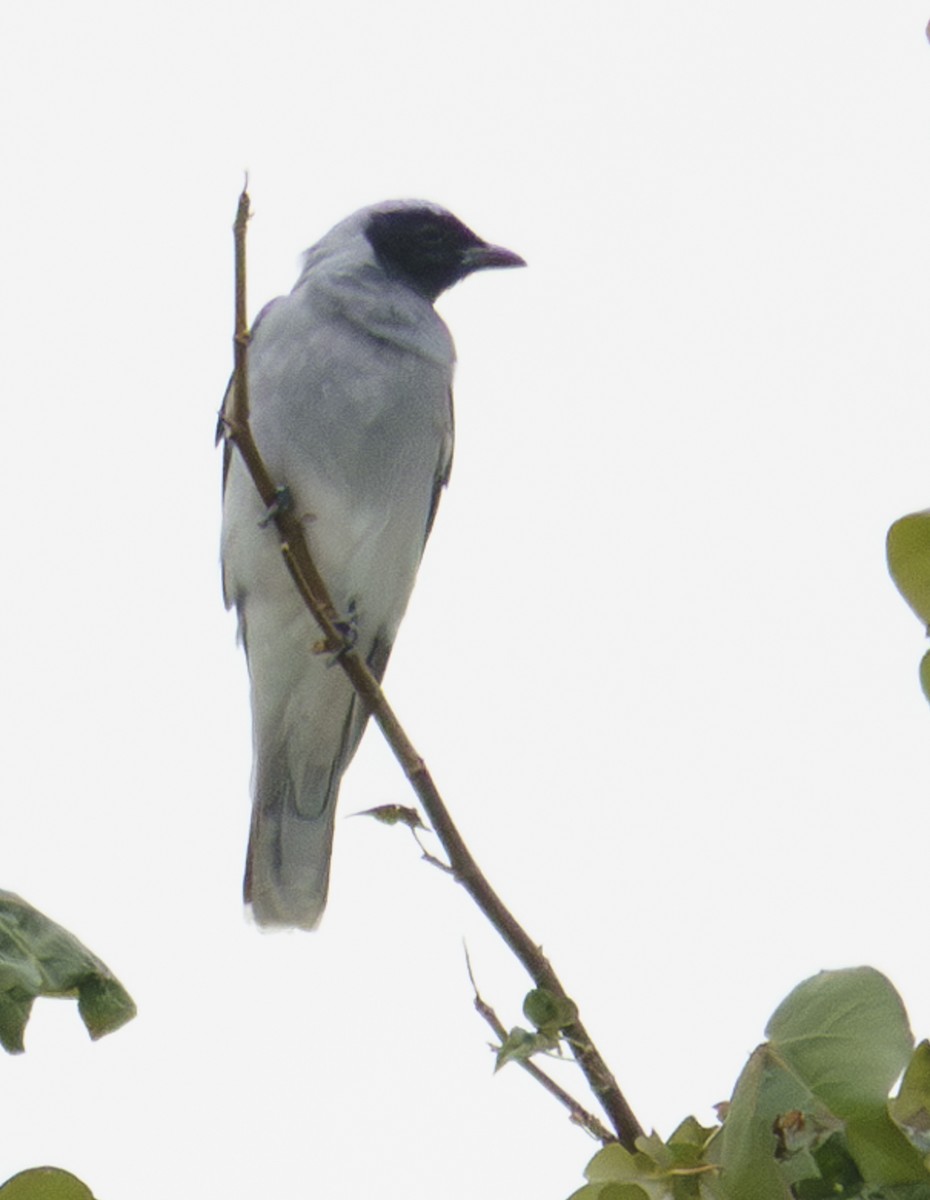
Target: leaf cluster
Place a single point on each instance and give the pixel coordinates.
(550, 1015)
(810, 1117)
(40, 958)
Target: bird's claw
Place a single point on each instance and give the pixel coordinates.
(348, 630)
(281, 503)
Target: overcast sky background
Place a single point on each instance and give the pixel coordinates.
(653, 659)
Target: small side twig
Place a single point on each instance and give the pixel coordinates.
(296, 555)
(431, 858)
(577, 1112)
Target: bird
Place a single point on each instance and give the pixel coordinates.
(350, 386)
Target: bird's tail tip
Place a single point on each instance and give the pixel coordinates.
(287, 868)
(276, 918)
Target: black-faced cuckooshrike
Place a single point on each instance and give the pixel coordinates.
(350, 381)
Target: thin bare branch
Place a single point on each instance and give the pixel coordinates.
(297, 558)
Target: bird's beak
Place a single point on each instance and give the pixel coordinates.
(476, 258)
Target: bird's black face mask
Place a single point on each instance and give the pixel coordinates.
(429, 251)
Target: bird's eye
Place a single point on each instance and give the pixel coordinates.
(429, 235)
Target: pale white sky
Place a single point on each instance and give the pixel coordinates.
(653, 657)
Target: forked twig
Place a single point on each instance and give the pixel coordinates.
(578, 1114)
(296, 555)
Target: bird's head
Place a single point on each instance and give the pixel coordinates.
(428, 248)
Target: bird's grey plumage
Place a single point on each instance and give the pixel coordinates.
(350, 381)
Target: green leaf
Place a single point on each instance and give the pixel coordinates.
(911, 1107)
(548, 1012)
(612, 1164)
(908, 550)
(394, 814)
(45, 1183)
(692, 1133)
(660, 1170)
(610, 1191)
(845, 1034)
(652, 1150)
(839, 1175)
(764, 1091)
(39, 958)
(15, 1007)
(520, 1044)
(882, 1153)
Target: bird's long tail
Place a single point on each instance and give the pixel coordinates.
(290, 841)
(299, 763)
